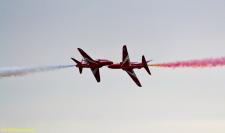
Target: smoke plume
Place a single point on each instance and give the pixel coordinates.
(208, 62)
(20, 71)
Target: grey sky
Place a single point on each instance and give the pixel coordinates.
(47, 32)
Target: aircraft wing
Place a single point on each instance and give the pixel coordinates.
(96, 73)
(125, 59)
(87, 58)
(132, 74)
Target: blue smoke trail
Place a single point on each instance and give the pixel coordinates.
(20, 71)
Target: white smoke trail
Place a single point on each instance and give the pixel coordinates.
(20, 71)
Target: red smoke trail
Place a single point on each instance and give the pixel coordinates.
(208, 62)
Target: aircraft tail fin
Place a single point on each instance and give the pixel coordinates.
(144, 62)
(78, 63)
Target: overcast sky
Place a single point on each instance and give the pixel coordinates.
(47, 32)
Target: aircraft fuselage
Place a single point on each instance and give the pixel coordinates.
(98, 63)
(133, 65)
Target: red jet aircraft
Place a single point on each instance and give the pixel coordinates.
(94, 65)
(128, 66)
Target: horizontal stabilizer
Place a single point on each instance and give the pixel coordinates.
(144, 62)
(78, 63)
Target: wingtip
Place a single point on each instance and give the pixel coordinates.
(79, 49)
(139, 84)
(98, 80)
(149, 72)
